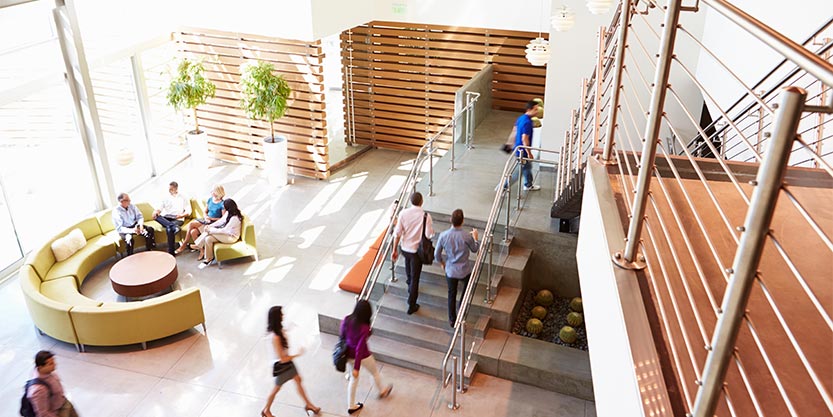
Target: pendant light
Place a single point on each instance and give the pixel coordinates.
(599, 6)
(538, 49)
(564, 19)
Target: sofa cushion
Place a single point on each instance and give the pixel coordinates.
(96, 251)
(66, 246)
(105, 221)
(65, 290)
(89, 226)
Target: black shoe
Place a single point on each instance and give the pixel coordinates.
(353, 410)
(414, 309)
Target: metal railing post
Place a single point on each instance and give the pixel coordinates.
(618, 65)
(453, 140)
(755, 229)
(462, 379)
(581, 118)
(488, 299)
(649, 150)
(453, 404)
(520, 179)
(430, 169)
(597, 95)
(508, 209)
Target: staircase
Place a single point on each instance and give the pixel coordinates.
(420, 341)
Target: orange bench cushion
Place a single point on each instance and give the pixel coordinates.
(354, 280)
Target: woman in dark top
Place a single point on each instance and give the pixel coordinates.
(356, 330)
(288, 369)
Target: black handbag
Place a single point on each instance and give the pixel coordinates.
(425, 251)
(281, 367)
(340, 354)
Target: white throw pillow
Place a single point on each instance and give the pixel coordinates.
(66, 246)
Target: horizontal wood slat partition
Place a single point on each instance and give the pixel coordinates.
(234, 137)
(401, 78)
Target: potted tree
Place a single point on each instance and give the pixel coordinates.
(188, 90)
(265, 97)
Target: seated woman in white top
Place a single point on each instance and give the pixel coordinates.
(226, 230)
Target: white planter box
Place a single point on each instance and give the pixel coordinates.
(198, 146)
(274, 153)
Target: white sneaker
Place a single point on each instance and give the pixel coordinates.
(203, 265)
(533, 188)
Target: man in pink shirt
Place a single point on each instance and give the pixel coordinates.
(48, 400)
(408, 235)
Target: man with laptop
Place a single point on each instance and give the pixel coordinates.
(171, 214)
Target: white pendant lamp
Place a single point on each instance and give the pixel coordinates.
(564, 19)
(599, 6)
(538, 52)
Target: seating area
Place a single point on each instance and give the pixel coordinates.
(51, 287)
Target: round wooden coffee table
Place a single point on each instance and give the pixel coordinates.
(143, 274)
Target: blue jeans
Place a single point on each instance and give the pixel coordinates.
(526, 172)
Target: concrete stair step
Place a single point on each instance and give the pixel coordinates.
(444, 222)
(430, 315)
(416, 334)
(510, 265)
(413, 357)
(436, 293)
(387, 346)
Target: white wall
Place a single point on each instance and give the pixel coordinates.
(528, 15)
(331, 17)
(748, 57)
(574, 57)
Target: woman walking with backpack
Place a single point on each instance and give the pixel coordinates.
(355, 329)
(284, 369)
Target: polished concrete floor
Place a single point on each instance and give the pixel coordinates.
(309, 233)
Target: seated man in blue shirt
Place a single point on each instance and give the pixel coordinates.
(129, 222)
(171, 214)
(456, 243)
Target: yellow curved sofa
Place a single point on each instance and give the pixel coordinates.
(58, 309)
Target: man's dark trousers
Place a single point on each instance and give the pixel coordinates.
(452, 296)
(150, 239)
(413, 269)
(171, 229)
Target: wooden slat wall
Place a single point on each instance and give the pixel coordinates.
(404, 77)
(234, 137)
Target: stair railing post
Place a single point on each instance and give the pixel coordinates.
(453, 403)
(627, 259)
(462, 379)
(508, 209)
(520, 179)
(453, 140)
(755, 229)
(618, 65)
(488, 299)
(430, 168)
(597, 95)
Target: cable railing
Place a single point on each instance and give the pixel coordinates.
(483, 271)
(426, 154)
(728, 218)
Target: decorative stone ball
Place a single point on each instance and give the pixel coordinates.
(544, 298)
(575, 319)
(536, 121)
(568, 335)
(575, 304)
(539, 312)
(534, 326)
(124, 156)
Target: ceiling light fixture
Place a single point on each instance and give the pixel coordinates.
(599, 6)
(564, 19)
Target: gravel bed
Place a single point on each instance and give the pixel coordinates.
(556, 319)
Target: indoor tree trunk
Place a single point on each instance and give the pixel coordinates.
(196, 122)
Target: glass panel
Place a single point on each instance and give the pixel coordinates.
(43, 164)
(167, 139)
(29, 48)
(9, 249)
(121, 123)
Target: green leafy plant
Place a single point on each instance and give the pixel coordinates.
(265, 95)
(190, 89)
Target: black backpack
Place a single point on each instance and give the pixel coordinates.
(26, 409)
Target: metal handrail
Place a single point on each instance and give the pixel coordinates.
(512, 163)
(426, 153)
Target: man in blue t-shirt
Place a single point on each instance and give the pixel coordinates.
(523, 126)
